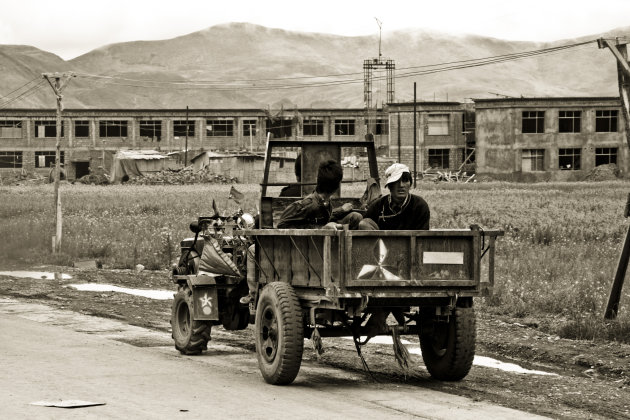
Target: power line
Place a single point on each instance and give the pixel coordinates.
(237, 83)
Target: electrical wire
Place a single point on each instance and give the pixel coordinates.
(32, 90)
(251, 84)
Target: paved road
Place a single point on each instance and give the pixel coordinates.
(49, 354)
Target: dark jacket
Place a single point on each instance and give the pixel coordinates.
(414, 214)
(311, 212)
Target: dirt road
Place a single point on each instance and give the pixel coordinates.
(591, 379)
(51, 354)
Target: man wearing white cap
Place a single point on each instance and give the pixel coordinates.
(399, 210)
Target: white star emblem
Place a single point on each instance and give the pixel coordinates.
(206, 304)
(379, 271)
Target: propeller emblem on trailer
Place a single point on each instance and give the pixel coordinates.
(380, 271)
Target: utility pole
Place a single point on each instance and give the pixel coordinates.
(58, 82)
(186, 147)
(620, 52)
(415, 138)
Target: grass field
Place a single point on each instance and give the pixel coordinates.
(558, 256)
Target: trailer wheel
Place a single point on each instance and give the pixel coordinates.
(191, 337)
(448, 351)
(279, 333)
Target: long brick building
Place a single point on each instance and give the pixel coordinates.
(515, 138)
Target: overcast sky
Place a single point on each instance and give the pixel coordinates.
(70, 28)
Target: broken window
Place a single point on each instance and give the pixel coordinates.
(249, 128)
(437, 124)
(382, 127)
(313, 127)
(280, 128)
(533, 160)
(569, 121)
(112, 128)
(47, 159)
(569, 159)
(605, 155)
(150, 129)
(606, 121)
(11, 129)
(11, 160)
(222, 127)
(183, 128)
(344, 127)
(45, 129)
(82, 128)
(438, 158)
(533, 122)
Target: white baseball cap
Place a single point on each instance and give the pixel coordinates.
(394, 172)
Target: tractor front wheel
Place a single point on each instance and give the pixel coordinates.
(191, 337)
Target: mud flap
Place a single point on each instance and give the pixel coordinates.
(206, 302)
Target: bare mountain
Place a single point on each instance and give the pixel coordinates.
(241, 65)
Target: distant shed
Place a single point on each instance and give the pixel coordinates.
(247, 168)
(134, 163)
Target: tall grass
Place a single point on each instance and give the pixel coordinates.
(558, 256)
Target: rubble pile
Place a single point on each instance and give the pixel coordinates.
(94, 179)
(603, 173)
(447, 176)
(22, 178)
(181, 177)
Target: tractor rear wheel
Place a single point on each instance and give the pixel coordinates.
(448, 348)
(279, 333)
(191, 337)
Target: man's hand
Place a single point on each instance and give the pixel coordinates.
(331, 226)
(346, 207)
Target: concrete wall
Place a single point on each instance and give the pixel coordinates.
(500, 141)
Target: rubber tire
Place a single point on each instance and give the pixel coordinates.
(454, 360)
(279, 333)
(191, 337)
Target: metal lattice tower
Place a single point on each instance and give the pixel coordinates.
(368, 74)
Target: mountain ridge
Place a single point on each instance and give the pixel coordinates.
(242, 65)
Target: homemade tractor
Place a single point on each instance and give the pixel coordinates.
(314, 283)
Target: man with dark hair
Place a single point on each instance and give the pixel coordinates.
(314, 210)
(399, 210)
(295, 189)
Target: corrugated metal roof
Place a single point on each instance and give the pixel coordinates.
(140, 154)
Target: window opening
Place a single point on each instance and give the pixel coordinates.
(10, 129)
(112, 128)
(569, 121)
(179, 128)
(438, 158)
(605, 155)
(46, 159)
(44, 129)
(81, 128)
(533, 122)
(569, 159)
(344, 127)
(249, 128)
(313, 127)
(220, 128)
(606, 121)
(12, 160)
(151, 129)
(280, 128)
(533, 160)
